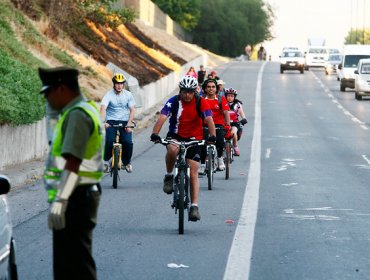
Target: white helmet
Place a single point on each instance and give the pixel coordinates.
(188, 83)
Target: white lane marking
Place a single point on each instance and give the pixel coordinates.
(292, 213)
(366, 159)
(268, 153)
(289, 184)
(239, 260)
(334, 100)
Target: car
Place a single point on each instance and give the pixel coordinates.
(8, 265)
(332, 63)
(315, 57)
(291, 59)
(362, 79)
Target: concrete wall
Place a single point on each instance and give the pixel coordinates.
(23, 143)
(152, 15)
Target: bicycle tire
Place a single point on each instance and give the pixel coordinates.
(181, 208)
(115, 166)
(227, 160)
(210, 169)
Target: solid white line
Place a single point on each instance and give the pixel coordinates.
(239, 260)
(366, 159)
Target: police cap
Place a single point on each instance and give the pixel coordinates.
(56, 76)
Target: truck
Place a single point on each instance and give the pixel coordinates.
(350, 57)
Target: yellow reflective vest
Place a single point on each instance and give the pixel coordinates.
(91, 168)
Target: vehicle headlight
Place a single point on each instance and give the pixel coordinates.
(362, 82)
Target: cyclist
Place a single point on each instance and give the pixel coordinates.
(185, 123)
(220, 114)
(236, 111)
(118, 107)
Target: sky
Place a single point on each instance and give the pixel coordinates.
(297, 20)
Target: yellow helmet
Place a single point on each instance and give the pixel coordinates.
(118, 78)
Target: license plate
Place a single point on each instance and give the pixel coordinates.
(291, 64)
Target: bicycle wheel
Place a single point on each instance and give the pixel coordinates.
(181, 198)
(227, 160)
(210, 164)
(115, 166)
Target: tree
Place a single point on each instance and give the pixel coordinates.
(226, 27)
(185, 12)
(358, 36)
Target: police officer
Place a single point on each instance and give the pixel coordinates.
(73, 172)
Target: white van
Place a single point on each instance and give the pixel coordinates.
(362, 80)
(350, 58)
(316, 56)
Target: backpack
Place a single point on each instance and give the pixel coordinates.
(197, 104)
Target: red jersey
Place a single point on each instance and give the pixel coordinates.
(185, 120)
(217, 112)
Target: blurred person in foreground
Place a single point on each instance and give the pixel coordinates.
(73, 172)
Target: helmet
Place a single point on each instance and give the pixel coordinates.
(118, 78)
(230, 91)
(204, 85)
(188, 83)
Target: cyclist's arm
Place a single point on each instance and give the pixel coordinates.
(211, 126)
(103, 113)
(158, 125)
(131, 118)
(227, 117)
(241, 112)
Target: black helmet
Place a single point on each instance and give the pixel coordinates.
(204, 85)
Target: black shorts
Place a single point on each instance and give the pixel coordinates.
(193, 152)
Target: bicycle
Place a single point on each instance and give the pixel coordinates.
(116, 163)
(211, 165)
(228, 156)
(181, 186)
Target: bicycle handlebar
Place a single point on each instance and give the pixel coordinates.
(121, 125)
(186, 144)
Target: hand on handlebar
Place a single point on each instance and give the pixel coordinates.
(243, 121)
(155, 138)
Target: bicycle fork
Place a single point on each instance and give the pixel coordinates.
(176, 190)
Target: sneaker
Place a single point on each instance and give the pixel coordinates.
(236, 151)
(106, 166)
(202, 169)
(194, 213)
(128, 168)
(168, 184)
(221, 164)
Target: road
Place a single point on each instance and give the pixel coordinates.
(297, 207)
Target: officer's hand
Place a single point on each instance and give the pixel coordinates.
(243, 121)
(57, 218)
(155, 138)
(211, 140)
(106, 125)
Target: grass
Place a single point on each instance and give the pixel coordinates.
(20, 101)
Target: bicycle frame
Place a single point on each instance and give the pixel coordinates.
(116, 163)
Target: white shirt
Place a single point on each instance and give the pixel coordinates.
(118, 105)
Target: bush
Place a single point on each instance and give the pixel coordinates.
(20, 101)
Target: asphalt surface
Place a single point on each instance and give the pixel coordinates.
(311, 196)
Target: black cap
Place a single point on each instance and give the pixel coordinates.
(55, 76)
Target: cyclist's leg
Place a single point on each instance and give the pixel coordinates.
(220, 141)
(234, 132)
(172, 151)
(194, 182)
(110, 135)
(203, 153)
(127, 146)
